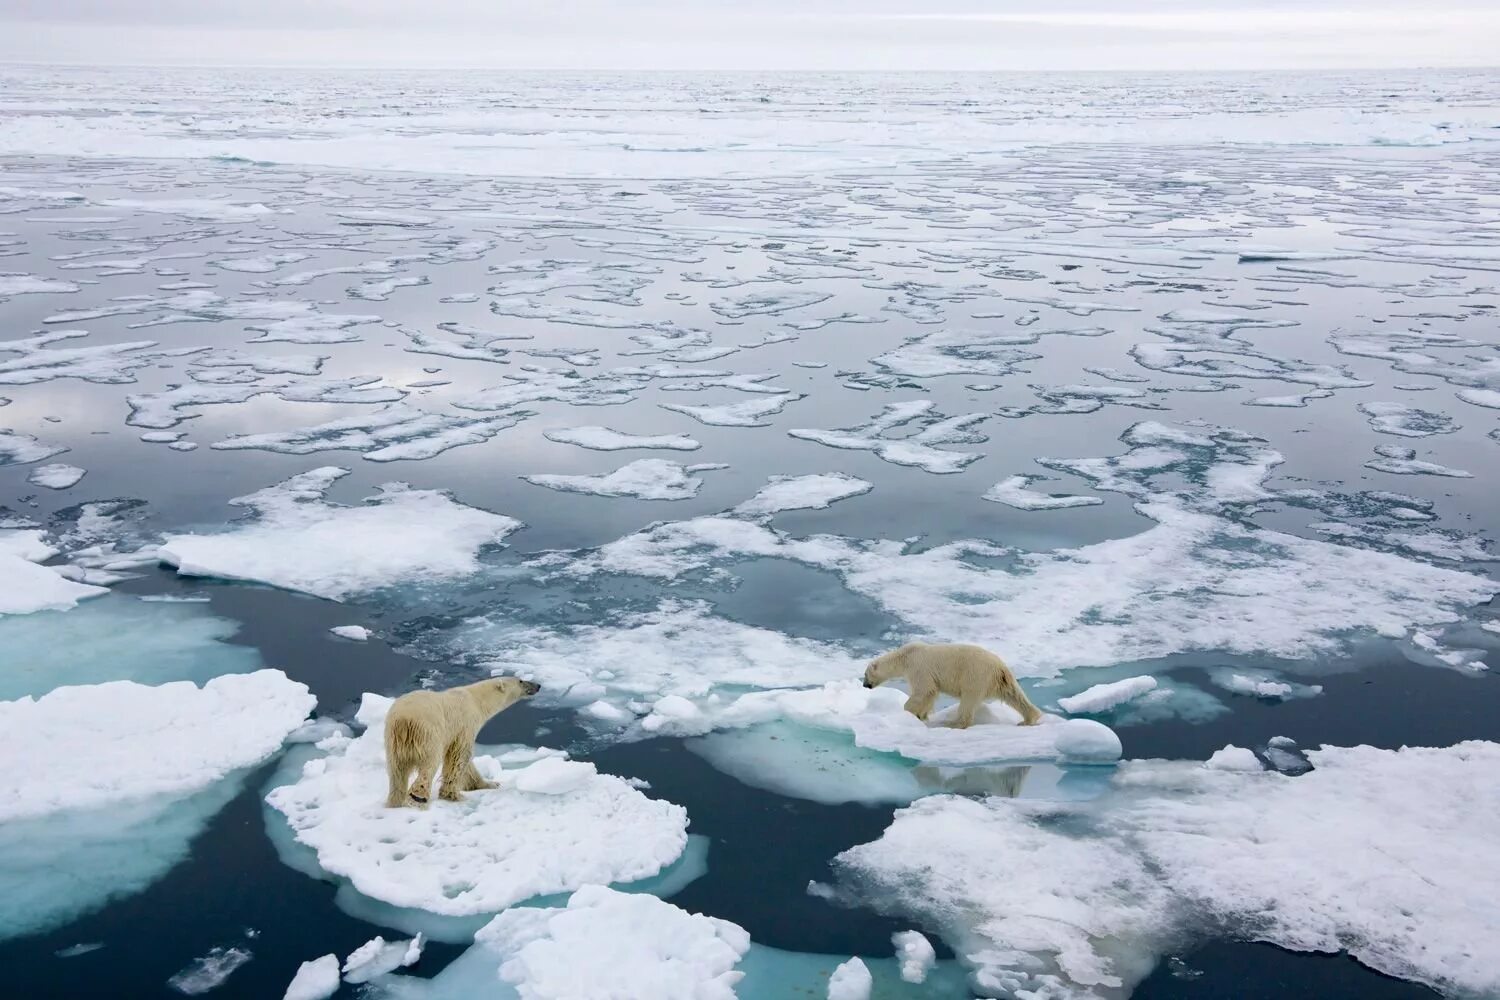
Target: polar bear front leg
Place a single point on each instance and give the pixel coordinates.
(473, 780)
(922, 698)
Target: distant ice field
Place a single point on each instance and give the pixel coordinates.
(684, 397)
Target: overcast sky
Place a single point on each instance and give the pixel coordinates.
(759, 34)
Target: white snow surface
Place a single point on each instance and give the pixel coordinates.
(622, 946)
(598, 438)
(26, 587)
(1232, 758)
(56, 476)
(317, 979)
(850, 981)
(130, 741)
(1016, 492)
(643, 479)
(494, 849)
(298, 540)
(23, 449)
(1383, 853)
(818, 491)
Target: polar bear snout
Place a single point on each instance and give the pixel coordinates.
(530, 688)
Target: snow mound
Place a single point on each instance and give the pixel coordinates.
(1381, 853)
(492, 850)
(612, 944)
(1232, 758)
(1103, 697)
(300, 541)
(129, 741)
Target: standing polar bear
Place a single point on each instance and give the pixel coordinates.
(971, 674)
(425, 729)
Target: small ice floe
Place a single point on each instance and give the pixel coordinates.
(1017, 493)
(812, 492)
(393, 433)
(23, 449)
(1112, 884)
(56, 476)
(886, 435)
(25, 586)
(300, 541)
(377, 957)
(1261, 684)
(1294, 401)
(355, 633)
(750, 413)
(12, 283)
(850, 981)
(209, 972)
(494, 849)
(1404, 462)
(1407, 421)
(317, 979)
(643, 479)
(599, 438)
(915, 953)
(74, 950)
(1488, 398)
(1103, 697)
(604, 938)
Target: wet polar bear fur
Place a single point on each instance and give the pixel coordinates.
(971, 674)
(425, 730)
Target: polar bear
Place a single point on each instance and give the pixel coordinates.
(971, 674)
(425, 729)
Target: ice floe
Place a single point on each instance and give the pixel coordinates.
(25, 586)
(398, 432)
(209, 972)
(919, 449)
(643, 479)
(818, 491)
(1103, 697)
(605, 439)
(750, 413)
(1261, 684)
(1407, 421)
(494, 849)
(317, 979)
(357, 633)
(1404, 462)
(378, 957)
(299, 540)
(23, 449)
(1016, 492)
(850, 981)
(56, 476)
(1381, 853)
(915, 953)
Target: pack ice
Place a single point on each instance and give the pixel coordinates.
(108, 783)
(1384, 854)
(299, 540)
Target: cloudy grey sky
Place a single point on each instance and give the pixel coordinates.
(759, 34)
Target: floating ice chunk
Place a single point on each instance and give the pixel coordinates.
(1407, 421)
(37, 360)
(1064, 399)
(643, 479)
(26, 587)
(1103, 697)
(1289, 860)
(23, 449)
(1232, 758)
(1404, 462)
(918, 449)
(300, 541)
(383, 217)
(750, 413)
(56, 476)
(813, 492)
(496, 848)
(1016, 492)
(263, 264)
(392, 433)
(162, 437)
(967, 352)
(850, 981)
(358, 633)
(1295, 401)
(206, 209)
(209, 972)
(915, 953)
(169, 407)
(73, 951)
(1489, 398)
(604, 439)
(315, 980)
(129, 741)
(1259, 684)
(12, 283)
(378, 957)
(607, 943)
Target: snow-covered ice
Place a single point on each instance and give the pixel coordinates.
(378, 957)
(916, 954)
(357, 633)
(850, 981)
(1017, 492)
(300, 541)
(316, 979)
(598, 438)
(643, 479)
(495, 849)
(1103, 697)
(56, 476)
(811, 492)
(25, 586)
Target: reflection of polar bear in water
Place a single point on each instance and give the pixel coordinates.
(425, 729)
(969, 673)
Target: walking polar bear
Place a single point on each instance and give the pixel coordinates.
(428, 729)
(971, 674)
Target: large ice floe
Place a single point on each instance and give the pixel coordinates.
(298, 540)
(1380, 853)
(552, 826)
(144, 769)
(26, 586)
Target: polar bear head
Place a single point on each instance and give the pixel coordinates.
(501, 692)
(883, 668)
